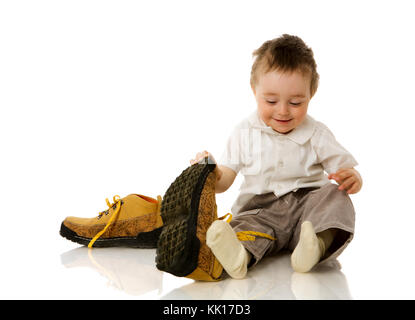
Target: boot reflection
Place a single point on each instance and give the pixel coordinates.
(127, 269)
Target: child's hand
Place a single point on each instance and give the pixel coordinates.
(200, 156)
(204, 154)
(348, 179)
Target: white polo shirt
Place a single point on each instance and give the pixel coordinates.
(281, 163)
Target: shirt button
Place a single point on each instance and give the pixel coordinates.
(280, 164)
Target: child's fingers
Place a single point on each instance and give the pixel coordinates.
(337, 179)
(196, 159)
(332, 176)
(203, 155)
(354, 188)
(343, 174)
(346, 184)
(199, 156)
(348, 179)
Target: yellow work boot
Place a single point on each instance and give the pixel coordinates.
(133, 221)
(188, 209)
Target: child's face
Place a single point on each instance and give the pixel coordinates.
(282, 99)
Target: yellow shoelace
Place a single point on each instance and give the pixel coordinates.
(117, 204)
(251, 235)
(229, 215)
(247, 235)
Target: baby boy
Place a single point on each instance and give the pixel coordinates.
(287, 158)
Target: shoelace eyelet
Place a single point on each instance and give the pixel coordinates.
(106, 212)
(116, 211)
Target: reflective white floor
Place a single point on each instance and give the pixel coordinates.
(133, 272)
(47, 266)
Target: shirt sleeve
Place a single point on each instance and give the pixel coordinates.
(331, 154)
(231, 156)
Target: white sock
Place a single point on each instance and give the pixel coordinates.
(226, 247)
(309, 249)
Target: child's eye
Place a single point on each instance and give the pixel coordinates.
(295, 103)
(270, 102)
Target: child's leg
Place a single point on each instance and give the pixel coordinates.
(326, 237)
(325, 228)
(311, 247)
(226, 247)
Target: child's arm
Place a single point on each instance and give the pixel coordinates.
(224, 176)
(225, 179)
(337, 161)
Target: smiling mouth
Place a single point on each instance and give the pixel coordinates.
(282, 121)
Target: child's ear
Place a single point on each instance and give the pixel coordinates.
(253, 90)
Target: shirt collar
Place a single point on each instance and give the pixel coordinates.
(300, 135)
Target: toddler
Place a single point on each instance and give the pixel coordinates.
(287, 158)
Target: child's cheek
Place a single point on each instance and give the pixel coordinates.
(265, 115)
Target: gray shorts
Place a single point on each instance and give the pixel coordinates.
(281, 218)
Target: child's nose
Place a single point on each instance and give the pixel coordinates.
(283, 108)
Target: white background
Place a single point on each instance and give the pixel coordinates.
(101, 98)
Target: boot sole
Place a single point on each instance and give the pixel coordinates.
(144, 240)
(178, 246)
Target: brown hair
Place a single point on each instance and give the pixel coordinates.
(286, 53)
